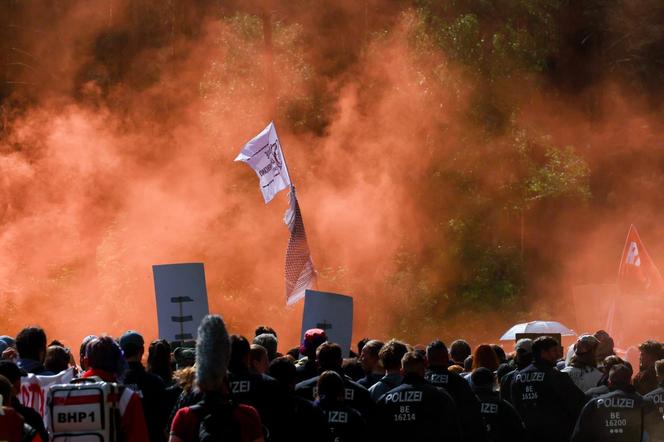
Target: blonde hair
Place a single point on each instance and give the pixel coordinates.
(185, 378)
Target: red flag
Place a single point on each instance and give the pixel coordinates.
(637, 272)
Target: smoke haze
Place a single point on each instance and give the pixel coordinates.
(118, 132)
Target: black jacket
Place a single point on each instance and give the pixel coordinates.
(657, 397)
(416, 411)
(619, 416)
(298, 420)
(502, 421)
(31, 417)
(506, 386)
(258, 390)
(548, 402)
(356, 396)
(467, 404)
(152, 391)
(370, 379)
(597, 391)
(305, 370)
(345, 423)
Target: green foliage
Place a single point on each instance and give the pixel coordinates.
(495, 37)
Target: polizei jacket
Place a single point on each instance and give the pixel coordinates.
(620, 416)
(417, 411)
(548, 402)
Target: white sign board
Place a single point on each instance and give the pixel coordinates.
(330, 312)
(181, 300)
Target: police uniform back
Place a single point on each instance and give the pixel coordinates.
(621, 416)
(502, 421)
(355, 395)
(258, 390)
(547, 400)
(345, 423)
(657, 398)
(416, 410)
(466, 402)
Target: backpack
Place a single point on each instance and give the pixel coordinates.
(86, 410)
(216, 423)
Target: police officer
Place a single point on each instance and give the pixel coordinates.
(469, 407)
(523, 357)
(603, 388)
(329, 357)
(149, 387)
(502, 421)
(371, 363)
(416, 410)
(258, 390)
(657, 395)
(547, 400)
(621, 415)
(297, 420)
(345, 423)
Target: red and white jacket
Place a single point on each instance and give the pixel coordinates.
(131, 409)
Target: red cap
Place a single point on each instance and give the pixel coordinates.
(312, 339)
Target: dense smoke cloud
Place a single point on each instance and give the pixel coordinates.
(116, 153)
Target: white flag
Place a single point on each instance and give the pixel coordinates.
(263, 153)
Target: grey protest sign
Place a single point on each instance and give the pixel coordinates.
(330, 312)
(181, 299)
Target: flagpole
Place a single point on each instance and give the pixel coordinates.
(610, 320)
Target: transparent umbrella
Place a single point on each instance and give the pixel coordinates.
(537, 327)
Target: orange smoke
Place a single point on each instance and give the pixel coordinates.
(117, 153)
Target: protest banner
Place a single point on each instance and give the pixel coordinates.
(332, 313)
(34, 390)
(181, 300)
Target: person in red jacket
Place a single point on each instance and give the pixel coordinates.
(217, 416)
(104, 360)
(12, 426)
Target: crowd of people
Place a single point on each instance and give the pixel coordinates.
(229, 388)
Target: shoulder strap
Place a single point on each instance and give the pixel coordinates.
(117, 390)
(199, 409)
